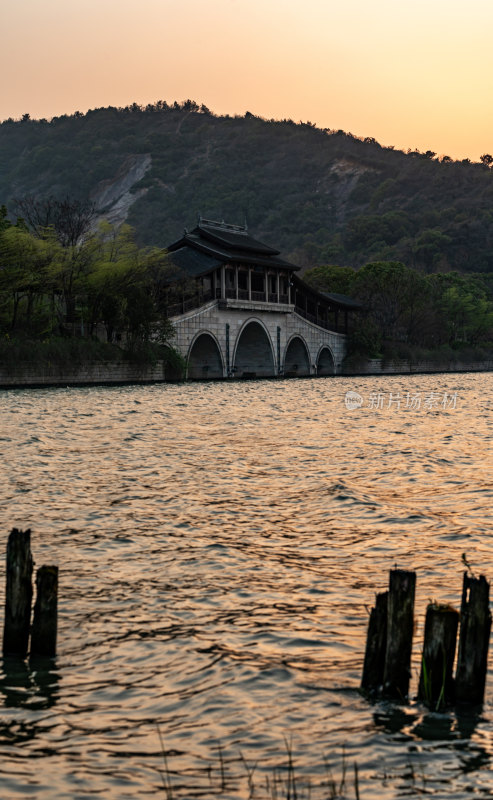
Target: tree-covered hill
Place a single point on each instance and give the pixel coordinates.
(321, 196)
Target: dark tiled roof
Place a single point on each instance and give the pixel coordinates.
(340, 300)
(228, 244)
(235, 240)
(343, 300)
(191, 263)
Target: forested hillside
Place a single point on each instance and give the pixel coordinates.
(321, 196)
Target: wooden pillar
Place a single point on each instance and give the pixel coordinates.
(223, 281)
(376, 641)
(236, 281)
(436, 685)
(44, 630)
(278, 286)
(475, 627)
(266, 285)
(249, 283)
(400, 624)
(19, 593)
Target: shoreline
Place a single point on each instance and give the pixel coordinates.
(31, 376)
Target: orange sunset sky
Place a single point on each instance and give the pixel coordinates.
(414, 74)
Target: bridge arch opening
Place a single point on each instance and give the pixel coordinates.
(297, 359)
(325, 362)
(254, 357)
(204, 359)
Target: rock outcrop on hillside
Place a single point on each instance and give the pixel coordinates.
(114, 197)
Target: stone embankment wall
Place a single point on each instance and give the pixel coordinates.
(33, 374)
(39, 375)
(377, 366)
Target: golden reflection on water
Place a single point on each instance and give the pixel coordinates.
(219, 545)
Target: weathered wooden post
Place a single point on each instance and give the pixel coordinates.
(376, 642)
(400, 625)
(19, 593)
(475, 627)
(44, 628)
(436, 683)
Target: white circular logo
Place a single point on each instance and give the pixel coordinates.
(353, 400)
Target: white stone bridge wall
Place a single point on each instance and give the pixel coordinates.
(213, 320)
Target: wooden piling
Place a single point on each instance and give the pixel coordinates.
(400, 625)
(376, 642)
(44, 629)
(436, 684)
(19, 593)
(475, 627)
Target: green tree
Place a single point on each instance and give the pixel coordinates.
(4, 220)
(430, 248)
(396, 299)
(25, 276)
(465, 308)
(331, 278)
(486, 159)
(124, 287)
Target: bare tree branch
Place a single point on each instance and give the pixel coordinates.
(69, 218)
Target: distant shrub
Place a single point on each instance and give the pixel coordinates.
(56, 351)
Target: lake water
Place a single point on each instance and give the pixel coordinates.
(219, 547)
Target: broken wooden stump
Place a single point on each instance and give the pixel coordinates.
(44, 628)
(390, 635)
(475, 627)
(436, 683)
(18, 601)
(400, 626)
(376, 642)
(18, 595)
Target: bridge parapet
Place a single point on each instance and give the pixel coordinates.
(255, 306)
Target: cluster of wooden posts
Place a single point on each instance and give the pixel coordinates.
(18, 602)
(387, 665)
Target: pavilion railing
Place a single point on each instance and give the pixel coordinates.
(329, 325)
(188, 303)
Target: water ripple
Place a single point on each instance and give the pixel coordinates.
(219, 546)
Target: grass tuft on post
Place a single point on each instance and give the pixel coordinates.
(436, 684)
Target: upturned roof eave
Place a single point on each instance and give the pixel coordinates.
(232, 256)
(341, 301)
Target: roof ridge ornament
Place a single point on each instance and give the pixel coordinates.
(222, 226)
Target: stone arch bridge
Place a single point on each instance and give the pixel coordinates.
(221, 342)
(240, 311)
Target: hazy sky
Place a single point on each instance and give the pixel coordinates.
(412, 73)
